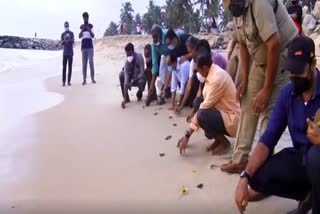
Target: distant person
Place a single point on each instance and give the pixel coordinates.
(213, 27)
(148, 62)
(295, 11)
(86, 35)
(180, 77)
(67, 38)
(35, 35)
(133, 74)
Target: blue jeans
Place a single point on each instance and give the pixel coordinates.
(87, 55)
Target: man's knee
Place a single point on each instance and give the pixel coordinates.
(314, 158)
(202, 116)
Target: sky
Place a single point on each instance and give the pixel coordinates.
(46, 17)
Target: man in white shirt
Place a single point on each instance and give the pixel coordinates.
(180, 77)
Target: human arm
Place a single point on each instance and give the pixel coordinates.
(245, 66)
(90, 29)
(313, 132)
(277, 125)
(185, 97)
(174, 86)
(268, 31)
(231, 46)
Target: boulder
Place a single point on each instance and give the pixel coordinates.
(308, 24)
(316, 10)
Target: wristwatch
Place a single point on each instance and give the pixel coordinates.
(246, 175)
(187, 134)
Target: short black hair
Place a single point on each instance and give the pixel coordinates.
(85, 14)
(129, 47)
(193, 42)
(203, 43)
(148, 47)
(171, 34)
(173, 57)
(203, 60)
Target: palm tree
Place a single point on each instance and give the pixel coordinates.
(126, 17)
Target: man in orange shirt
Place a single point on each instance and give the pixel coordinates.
(218, 111)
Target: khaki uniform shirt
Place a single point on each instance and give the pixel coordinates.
(255, 34)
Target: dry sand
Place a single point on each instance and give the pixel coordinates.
(87, 155)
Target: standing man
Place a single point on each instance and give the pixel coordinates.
(86, 35)
(67, 38)
(264, 30)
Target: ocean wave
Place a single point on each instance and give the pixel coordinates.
(13, 58)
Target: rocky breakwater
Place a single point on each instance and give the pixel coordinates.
(29, 43)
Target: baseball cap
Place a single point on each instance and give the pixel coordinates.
(301, 51)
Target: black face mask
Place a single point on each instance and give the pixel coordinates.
(302, 84)
(237, 7)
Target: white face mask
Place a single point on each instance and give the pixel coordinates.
(66, 28)
(171, 47)
(201, 78)
(157, 44)
(130, 59)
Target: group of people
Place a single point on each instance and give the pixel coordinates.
(67, 38)
(277, 85)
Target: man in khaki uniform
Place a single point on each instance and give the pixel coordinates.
(233, 68)
(264, 30)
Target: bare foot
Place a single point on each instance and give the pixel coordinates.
(123, 104)
(223, 147)
(213, 146)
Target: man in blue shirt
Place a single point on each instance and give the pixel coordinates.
(294, 172)
(67, 39)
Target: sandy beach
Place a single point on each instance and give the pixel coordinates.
(74, 150)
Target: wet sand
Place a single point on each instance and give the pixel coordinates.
(84, 154)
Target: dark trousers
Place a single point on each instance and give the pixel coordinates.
(141, 84)
(67, 60)
(210, 120)
(149, 79)
(285, 175)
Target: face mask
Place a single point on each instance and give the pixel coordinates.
(171, 47)
(66, 28)
(302, 84)
(170, 68)
(236, 7)
(157, 44)
(201, 78)
(130, 59)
